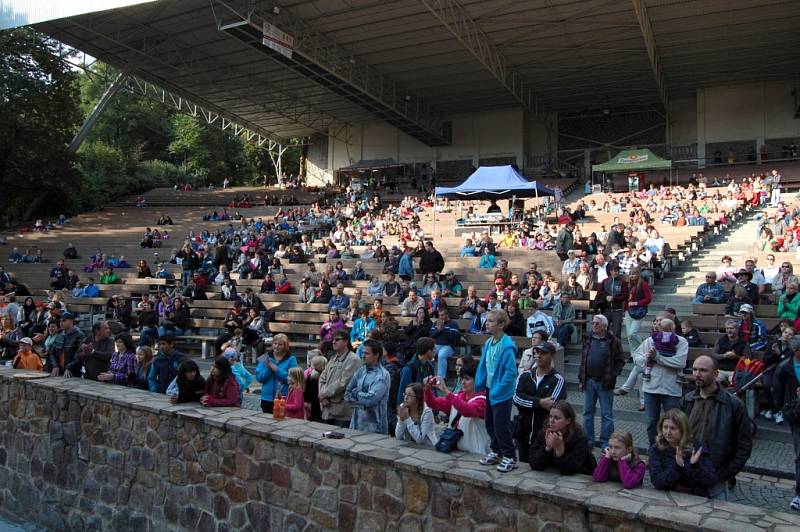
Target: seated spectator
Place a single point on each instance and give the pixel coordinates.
(676, 462)
(375, 287)
(487, 260)
(283, 286)
(188, 386)
(358, 273)
(573, 289)
(571, 264)
(728, 349)
(737, 298)
(221, 386)
(307, 292)
(785, 276)
(516, 321)
(539, 321)
(71, 252)
(620, 462)
(753, 330)
(691, 334)
(411, 304)
(726, 272)
(561, 444)
(109, 277)
(451, 286)
(709, 292)
(391, 288)
(414, 419)
(329, 328)
(789, 303)
(563, 317)
(466, 407)
(361, 327)
(468, 249)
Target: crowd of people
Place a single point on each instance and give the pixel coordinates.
(372, 374)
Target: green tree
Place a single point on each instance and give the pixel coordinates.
(187, 145)
(39, 113)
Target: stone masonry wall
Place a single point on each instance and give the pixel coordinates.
(79, 455)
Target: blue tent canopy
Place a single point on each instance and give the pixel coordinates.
(494, 182)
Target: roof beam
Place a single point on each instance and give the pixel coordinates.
(652, 50)
(456, 19)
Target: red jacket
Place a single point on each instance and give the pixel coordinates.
(295, 408)
(643, 295)
(475, 406)
(225, 393)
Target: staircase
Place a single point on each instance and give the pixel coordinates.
(677, 290)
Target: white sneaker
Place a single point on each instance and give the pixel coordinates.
(490, 459)
(768, 415)
(779, 418)
(507, 465)
(795, 504)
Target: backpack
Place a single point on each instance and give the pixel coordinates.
(746, 370)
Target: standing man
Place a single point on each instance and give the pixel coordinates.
(785, 391)
(93, 357)
(601, 363)
(662, 390)
(718, 419)
(419, 368)
(611, 298)
(497, 376)
(65, 346)
(334, 379)
(431, 260)
(368, 392)
(565, 241)
(776, 191)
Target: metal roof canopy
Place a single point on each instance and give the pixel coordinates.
(561, 51)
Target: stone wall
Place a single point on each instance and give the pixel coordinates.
(79, 455)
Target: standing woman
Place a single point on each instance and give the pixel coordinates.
(639, 297)
(122, 367)
(676, 462)
(561, 444)
(273, 372)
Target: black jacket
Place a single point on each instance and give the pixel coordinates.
(784, 384)
(192, 391)
(614, 364)
(526, 399)
(609, 284)
(431, 262)
(731, 441)
(95, 362)
(577, 456)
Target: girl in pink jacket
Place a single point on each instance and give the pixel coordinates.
(620, 462)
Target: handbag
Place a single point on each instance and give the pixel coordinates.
(448, 441)
(637, 313)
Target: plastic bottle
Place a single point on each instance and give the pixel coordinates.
(279, 407)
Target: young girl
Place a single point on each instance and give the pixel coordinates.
(188, 386)
(295, 405)
(414, 419)
(221, 386)
(311, 393)
(619, 462)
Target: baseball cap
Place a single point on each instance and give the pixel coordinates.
(67, 316)
(746, 308)
(547, 347)
(26, 340)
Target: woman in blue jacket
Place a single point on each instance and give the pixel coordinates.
(497, 376)
(273, 372)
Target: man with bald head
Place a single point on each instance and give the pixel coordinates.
(666, 360)
(718, 419)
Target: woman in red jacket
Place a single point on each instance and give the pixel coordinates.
(221, 386)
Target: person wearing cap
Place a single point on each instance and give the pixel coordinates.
(65, 346)
(728, 349)
(451, 287)
(744, 279)
(537, 390)
(565, 241)
(26, 358)
(753, 330)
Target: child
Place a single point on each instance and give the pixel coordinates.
(243, 377)
(26, 358)
(619, 462)
(311, 393)
(221, 386)
(691, 334)
(188, 386)
(295, 406)
(666, 345)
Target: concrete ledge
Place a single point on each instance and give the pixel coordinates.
(81, 455)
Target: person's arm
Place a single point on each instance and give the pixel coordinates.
(426, 426)
(703, 473)
(400, 429)
(647, 295)
(742, 442)
(539, 456)
(573, 458)
(230, 394)
(664, 470)
(440, 404)
(678, 360)
(522, 399)
(375, 394)
(350, 392)
(641, 353)
(263, 371)
(152, 380)
(405, 380)
(602, 470)
(474, 407)
(631, 477)
(172, 389)
(294, 403)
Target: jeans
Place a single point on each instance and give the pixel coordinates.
(632, 332)
(177, 331)
(796, 441)
(593, 392)
(719, 491)
(498, 425)
(147, 336)
(443, 352)
(615, 322)
(653, 403)
(630, 383)
(776, 197)
(186, 275)
(563, 333)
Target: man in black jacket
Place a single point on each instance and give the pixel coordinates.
(718, 419)
(786, 391)
(538, 389)
(93, 357)
(431, 260)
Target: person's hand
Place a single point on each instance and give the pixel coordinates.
(67, 374)
(607, 453)
(548, 440)
(581, 387)
(204, 400)
(632, 304)
(440, 384)
(173, 399)
(679, 457)
(402, 412)
(797, 392)
(558, 443)
(546, 403)
(609, 299)
(696, 456)
(104, 376)
(55, 372)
